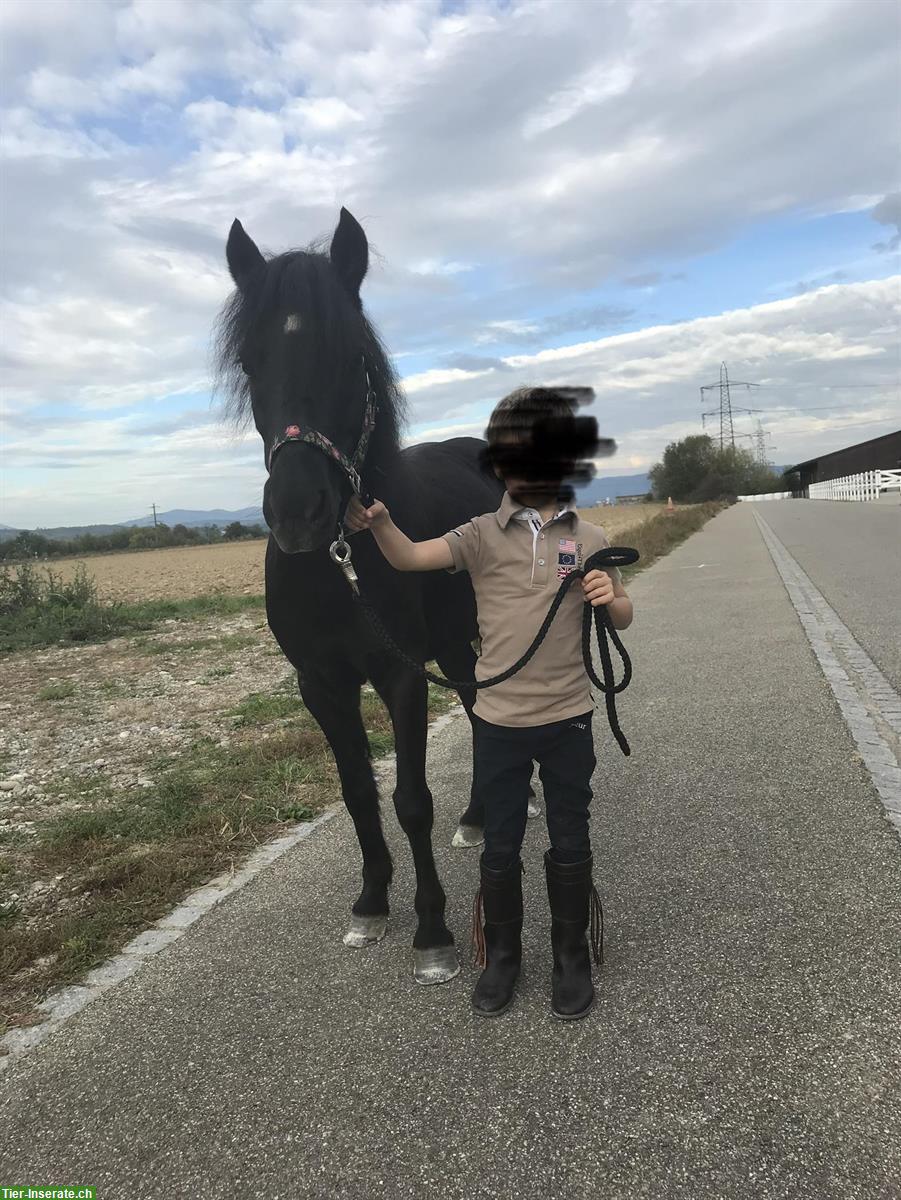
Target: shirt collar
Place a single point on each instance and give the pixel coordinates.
(510, 508)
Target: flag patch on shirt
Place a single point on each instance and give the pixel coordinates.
(565, 564)
(568, 558)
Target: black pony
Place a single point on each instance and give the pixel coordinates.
(296, 350)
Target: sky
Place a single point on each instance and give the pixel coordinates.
(595, 192)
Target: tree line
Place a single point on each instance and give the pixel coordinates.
(697, 469)
(31, 543)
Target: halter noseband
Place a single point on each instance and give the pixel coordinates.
(350, 466)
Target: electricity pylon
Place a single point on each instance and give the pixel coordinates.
(726, 409)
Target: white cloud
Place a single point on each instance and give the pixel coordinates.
(437, 377)
(598, 84)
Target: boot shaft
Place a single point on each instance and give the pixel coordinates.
(497, 911)
(575, 904)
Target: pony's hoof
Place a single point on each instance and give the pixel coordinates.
(468, 836)
(365, 931)
(435, 966)
(533, 809)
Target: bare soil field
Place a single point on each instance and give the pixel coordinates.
(176, 573)
(236, 568)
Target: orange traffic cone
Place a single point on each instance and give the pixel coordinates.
(670, 507)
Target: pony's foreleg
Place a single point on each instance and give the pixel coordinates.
(336, 708)
(406, 698)
(458, 662)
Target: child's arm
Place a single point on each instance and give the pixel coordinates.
(404, 555)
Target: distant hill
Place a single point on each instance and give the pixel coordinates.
(213, 516)
(175, 516)
(610, 487)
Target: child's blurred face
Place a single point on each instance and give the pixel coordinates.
(521, 471)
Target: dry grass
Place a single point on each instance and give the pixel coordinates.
(620, 518)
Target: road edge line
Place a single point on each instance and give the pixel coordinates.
(820, 621)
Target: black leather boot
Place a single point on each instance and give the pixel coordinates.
(498, 944)
(573, 899)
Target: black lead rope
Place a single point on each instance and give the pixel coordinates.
(611, 556)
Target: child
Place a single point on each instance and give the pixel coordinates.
(517, 558)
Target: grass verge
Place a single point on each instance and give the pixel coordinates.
(40, 608)
(657, 537)
(115, 868)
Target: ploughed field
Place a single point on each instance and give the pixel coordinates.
(176, 573)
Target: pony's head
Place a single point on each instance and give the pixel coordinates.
(294, 348)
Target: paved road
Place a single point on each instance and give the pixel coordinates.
(747, 1037)
(852, 552)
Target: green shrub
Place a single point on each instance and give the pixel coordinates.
(40, 608)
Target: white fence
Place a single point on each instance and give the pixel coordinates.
(866, 486)
(769, 496)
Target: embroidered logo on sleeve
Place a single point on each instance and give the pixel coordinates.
(458, 532)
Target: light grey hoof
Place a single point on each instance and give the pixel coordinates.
(468, 836)
(533, 809)
(365, 931)
(435, 966)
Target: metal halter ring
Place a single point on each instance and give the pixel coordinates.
(339, 552)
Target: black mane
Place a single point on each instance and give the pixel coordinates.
(305, 281)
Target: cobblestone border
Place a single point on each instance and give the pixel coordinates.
(66, 1002)
(868, 702)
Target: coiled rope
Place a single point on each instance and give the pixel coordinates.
(610, 556)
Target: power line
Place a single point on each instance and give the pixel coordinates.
(828, 387)
(812, 408)
(862, 424)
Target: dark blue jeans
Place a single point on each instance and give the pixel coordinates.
(502, 769)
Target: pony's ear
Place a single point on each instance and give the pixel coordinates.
(242, 254)
(349, 253)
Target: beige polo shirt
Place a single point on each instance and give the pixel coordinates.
(517, 563)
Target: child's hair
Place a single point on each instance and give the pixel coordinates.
(516, 416)
(534, 434)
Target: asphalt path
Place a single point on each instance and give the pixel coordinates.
(746, 1039)
(852, 553)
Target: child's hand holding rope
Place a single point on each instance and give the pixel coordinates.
(597, 587)
(357, 517)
